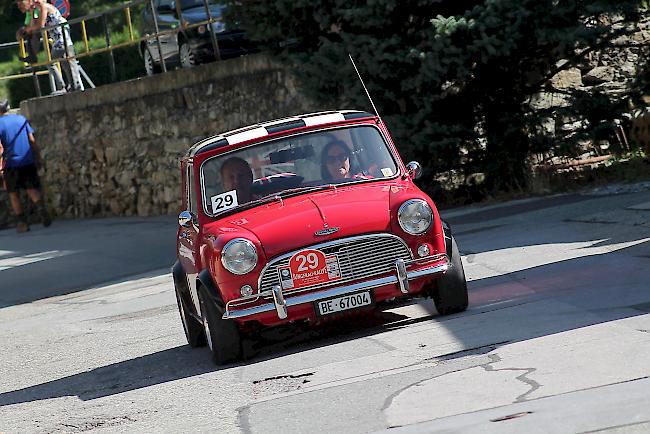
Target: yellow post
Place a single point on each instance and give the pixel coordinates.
(21, 49)
(46, 42)
(85, 35)
(128, 21)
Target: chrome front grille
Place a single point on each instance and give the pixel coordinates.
(359, 257)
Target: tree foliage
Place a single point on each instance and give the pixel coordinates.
(454, 80)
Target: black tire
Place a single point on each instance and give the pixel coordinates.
(450, 292)
(223, 337)
(150, 66)
(192, 326)
(194, 332)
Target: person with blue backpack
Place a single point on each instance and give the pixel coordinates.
(20, 159)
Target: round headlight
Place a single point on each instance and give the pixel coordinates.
(415, 216)
(239, 256)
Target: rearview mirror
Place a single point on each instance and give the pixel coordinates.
(291, 154)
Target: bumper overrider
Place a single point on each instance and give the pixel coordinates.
(281, 301)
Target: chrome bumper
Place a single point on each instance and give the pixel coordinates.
(283, 300)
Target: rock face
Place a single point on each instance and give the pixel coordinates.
(611, 71)
(115, 150)
(568, 79)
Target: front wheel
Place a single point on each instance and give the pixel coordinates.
(187, 55)
(450, 291)
(223, 336)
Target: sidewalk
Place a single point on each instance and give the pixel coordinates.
(73, 255)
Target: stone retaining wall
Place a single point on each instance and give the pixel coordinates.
(114, 150)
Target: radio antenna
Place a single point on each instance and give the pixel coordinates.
(364, 86)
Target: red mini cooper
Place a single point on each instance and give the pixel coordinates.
(306, 218)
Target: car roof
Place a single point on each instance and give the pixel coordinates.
(263, 129)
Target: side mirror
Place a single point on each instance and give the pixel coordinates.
(414, 170)
(185, 219)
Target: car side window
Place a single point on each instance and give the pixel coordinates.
(191, 190)
(167, 3)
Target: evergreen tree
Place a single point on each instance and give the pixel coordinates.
(452, 79)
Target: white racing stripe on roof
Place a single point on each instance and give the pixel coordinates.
(323, 119)
(247, 135)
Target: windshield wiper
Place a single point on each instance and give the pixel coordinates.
(295, 191)
(273, 197)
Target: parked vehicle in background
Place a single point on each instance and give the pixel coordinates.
(189, 46)
(310, 218)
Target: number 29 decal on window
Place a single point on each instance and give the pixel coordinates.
(309, 267)
(224, 201)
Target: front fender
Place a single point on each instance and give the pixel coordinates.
(211, 289)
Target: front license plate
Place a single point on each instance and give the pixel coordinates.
(345, 302)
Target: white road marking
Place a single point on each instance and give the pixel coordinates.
(18, 261)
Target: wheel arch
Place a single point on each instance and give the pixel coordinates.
(204, 279)
(142, 47)
(448, 233)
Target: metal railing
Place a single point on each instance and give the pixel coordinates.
(133, 39)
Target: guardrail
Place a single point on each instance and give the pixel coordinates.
(110, 47)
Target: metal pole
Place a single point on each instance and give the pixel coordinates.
(37, 85)
(23, 54)
(155, 24)
(127, 11)
(90, 82)
(111, 58)
(213, 37)
(85, 35)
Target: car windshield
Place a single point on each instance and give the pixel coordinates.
(294, 164)
(189, 4)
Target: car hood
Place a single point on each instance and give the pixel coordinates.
(292, 224)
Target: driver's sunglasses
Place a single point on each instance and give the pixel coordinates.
(339, 158)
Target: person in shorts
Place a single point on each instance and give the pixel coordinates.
(20, 160)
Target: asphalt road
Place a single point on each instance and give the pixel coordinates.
(556, 339)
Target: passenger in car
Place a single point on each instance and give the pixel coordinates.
(236, 174)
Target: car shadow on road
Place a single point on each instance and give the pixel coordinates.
(140, 372)
(183, 362)
(513, 307)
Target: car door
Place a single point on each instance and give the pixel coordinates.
(165, 16)
(188, 248)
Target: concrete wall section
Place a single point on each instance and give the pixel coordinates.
(114, 150)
